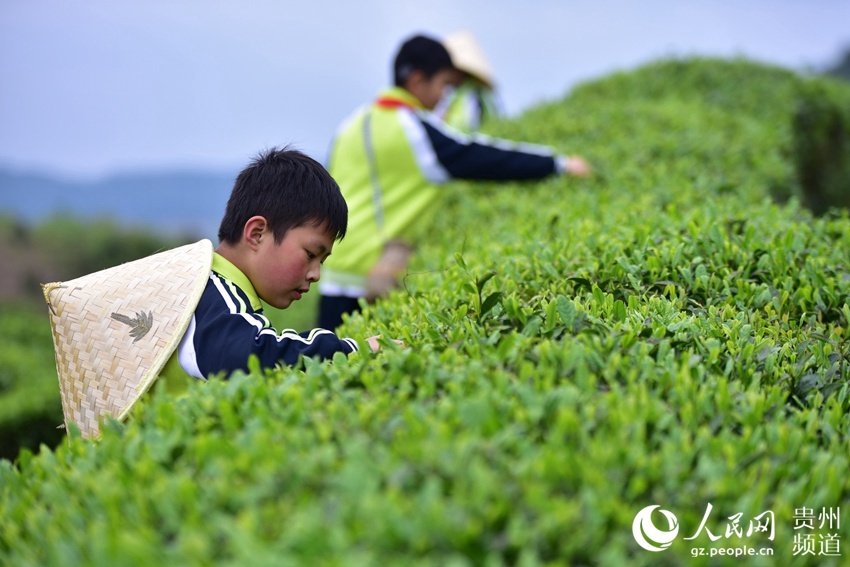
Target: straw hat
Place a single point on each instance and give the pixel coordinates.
(468, 56)
(114, 330)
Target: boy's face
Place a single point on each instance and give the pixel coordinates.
(283, 272)
(430, 91)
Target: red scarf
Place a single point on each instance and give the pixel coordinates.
(390, 102)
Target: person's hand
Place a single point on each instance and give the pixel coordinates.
(386, 274)
(375, 345)
(577, 166)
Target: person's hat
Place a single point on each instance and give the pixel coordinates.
(114, 330)
(468, 56)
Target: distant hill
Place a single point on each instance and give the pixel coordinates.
(841, 69)
(180, 202)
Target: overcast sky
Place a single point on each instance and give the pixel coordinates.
(92, 87)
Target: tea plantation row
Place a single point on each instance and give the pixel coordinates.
(672, 332)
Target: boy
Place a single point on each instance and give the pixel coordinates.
(118, 331)
(282, 218)
(389, 158)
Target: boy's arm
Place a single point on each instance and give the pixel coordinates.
(222, 341)
(465, 156)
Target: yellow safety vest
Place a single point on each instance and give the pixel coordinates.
(388, 194)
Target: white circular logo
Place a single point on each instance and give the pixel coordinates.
(648, 536)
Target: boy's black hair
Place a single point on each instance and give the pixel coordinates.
(289, 189)
(420, 53)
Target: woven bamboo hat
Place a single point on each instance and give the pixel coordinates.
(114, 330)
(468, 56)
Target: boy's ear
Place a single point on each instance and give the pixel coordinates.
(256, 228)
(415, 83)
(414, 80)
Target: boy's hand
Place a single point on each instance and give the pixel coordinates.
(577, 166)
(375, 346)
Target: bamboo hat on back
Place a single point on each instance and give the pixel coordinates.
(114, 330)
(468, 56)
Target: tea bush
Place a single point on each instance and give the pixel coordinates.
(30, 405)
(822, 145)
(663, 333)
